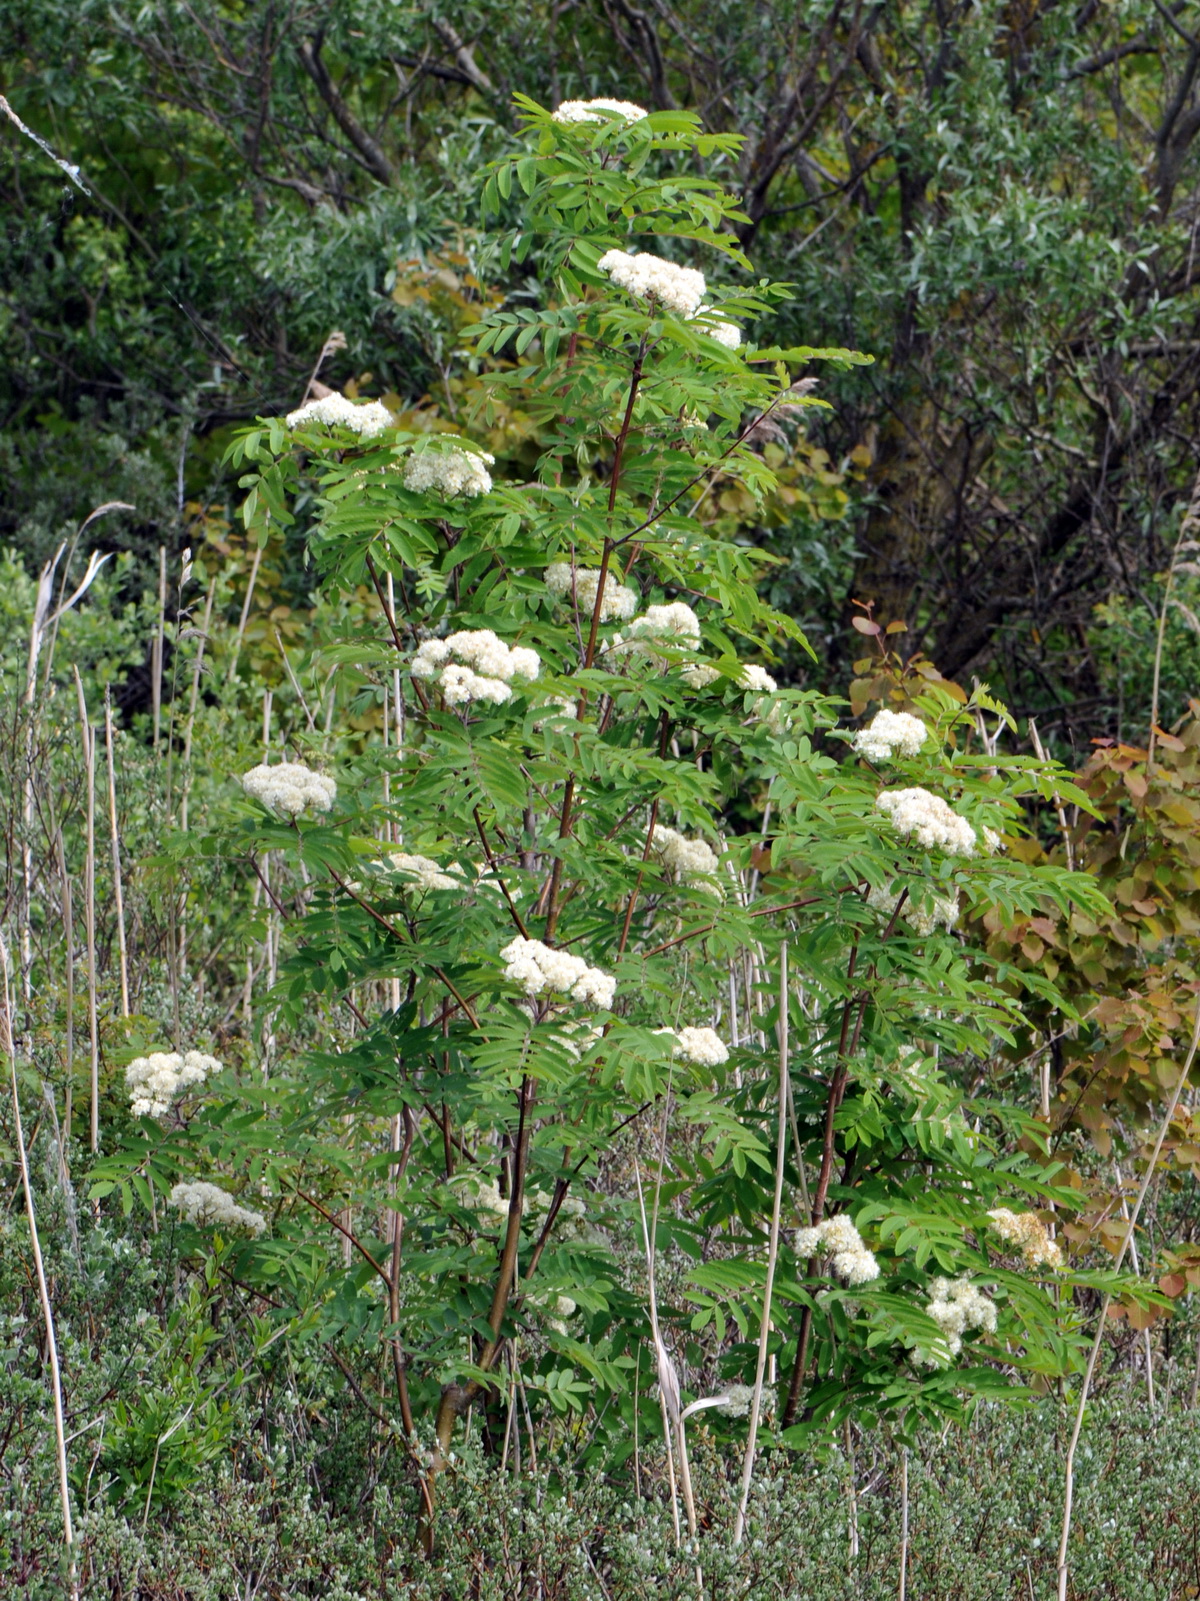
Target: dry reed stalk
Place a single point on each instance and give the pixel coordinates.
(118, 892)
(158, 647)
(1133, 1257)
(1151, 1165)
(397, 704)
(668, 1383)
(294, 681)
(8, 1045)
(198, 668)
(1036, 741)
(903, 1522)
(851, 1493)
(1190, 525)
(739, 1527)
(64, 879)
(88, 741)
(242, 620)
(188, 735)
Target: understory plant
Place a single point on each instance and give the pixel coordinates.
(536, 920)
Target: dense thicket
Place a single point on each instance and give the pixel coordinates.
(996, 200)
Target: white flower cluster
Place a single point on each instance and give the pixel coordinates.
(570, 1221)
(290, 788)
(585, 111)
(957, 1307)
(154, 1081)
(1028, 1233)
(620, 601)
(704, 1046)
(941, 911)
(336, 411)
(675, 288)
(426, 873)
(719, 328)
(538, 970)
(675, 621)
(449, 472)
(555, 1308)
(482, 1196)
(737, 1400)
(889, 734)
(687, 860)
(208, 1206)
(474, 665)
(750, 676)
(552, 708)
(852, 1262)
(929, 820)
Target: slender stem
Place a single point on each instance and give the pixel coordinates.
(118, 892)
(158, 647)
(772, 1254)
(1189, 525)
(406, 1416)
(242, 620)
(1151, 1165)
(903, 1522)
(491, 861)
(566, 819)
(8, 1044)
(89, 765)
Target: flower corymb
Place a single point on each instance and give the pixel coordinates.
(891, 734)
(620, 601)
(336, 411)
(475, 665)
(290, 788)
(653, 278)
(209, 1206)
(927, 819)
(1028, 1233)
(852, 1261)
(156, 1080)
(587, 111)
(538, 970)
(449, 472)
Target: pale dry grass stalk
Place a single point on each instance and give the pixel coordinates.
(242, 620)
(668, 1383)
(118, 891)
(739, 1527)
(8, 1045)
(1189, 526)
(193, 701)
(903, 1523)
(159, 645)
(1085, 1389)
(43, 632)
(1133, 1257)
(88, 743)
(1036, 741)
(851, 1493)
(68, 916)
